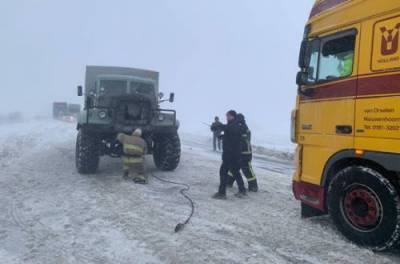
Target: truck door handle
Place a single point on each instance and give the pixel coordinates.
(344, 130)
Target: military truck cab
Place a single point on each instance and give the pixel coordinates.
(119, 100)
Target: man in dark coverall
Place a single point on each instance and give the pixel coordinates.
(231, 155)
(216, 129)
(246, 156)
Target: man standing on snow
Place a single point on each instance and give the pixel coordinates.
(246, 156)
(134, 150)
(230, 157)
(216, 129)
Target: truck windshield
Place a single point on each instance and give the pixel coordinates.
(112, 87)
(141, 87)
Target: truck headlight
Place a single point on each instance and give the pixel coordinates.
(102, 114)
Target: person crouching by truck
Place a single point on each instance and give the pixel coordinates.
(216, 130)
(133, 158)
(230, 157)
(246, 156)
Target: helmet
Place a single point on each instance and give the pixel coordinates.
(137, 132)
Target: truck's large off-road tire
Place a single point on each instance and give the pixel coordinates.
(167, 151)
(87, 155)
(365, 207)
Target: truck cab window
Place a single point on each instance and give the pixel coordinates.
(313, 56)
(336, 60)
(112, 87)
(141, 88)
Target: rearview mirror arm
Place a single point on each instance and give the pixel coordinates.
(88, 103)
(307, 92)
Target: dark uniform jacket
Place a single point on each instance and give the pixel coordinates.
(231, 142)
(216, 128)
(245, 142)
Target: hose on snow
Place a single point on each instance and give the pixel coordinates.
(183, 192)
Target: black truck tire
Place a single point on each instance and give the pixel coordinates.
(87, 155)
(167, 151)
(365, 207)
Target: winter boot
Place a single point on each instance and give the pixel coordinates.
(140, 179)
(253, 186)
(219, 196)
(241, 195)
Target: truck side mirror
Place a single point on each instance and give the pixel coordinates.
(301, 78)
(171, 97)
(80, 90)
(160, 95)
(303, 53)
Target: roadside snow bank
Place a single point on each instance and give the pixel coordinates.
(280, 153)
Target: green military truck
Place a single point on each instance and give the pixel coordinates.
(119, 100)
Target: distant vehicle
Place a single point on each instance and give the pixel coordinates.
(60, 109)
(119, 100)
(347, 119)
(74, 109)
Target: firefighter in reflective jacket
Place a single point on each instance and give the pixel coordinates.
(346, 66)
(246, 156)
(134, 150)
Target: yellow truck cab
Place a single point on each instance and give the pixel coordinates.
(347, 119)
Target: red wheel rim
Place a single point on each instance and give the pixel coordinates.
(362, 208)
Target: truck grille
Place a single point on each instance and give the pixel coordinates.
(133, 113)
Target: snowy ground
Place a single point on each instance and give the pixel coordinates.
(51, 214)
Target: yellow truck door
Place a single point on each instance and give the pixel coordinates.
(326, 111)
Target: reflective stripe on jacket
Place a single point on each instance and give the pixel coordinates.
(132, 145)
(133, 150)
(132, 160)
(246, 145)
(245, 140)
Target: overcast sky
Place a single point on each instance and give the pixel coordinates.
(215, 55)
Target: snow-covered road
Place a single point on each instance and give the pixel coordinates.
(51, 214)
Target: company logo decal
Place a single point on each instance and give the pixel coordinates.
(386, 45)
(390, 40)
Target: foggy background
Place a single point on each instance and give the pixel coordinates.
(215, 55)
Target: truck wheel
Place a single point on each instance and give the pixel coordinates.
(365, 207)
(167, 151)
(87, 155)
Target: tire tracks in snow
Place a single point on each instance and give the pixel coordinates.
(39, 235)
